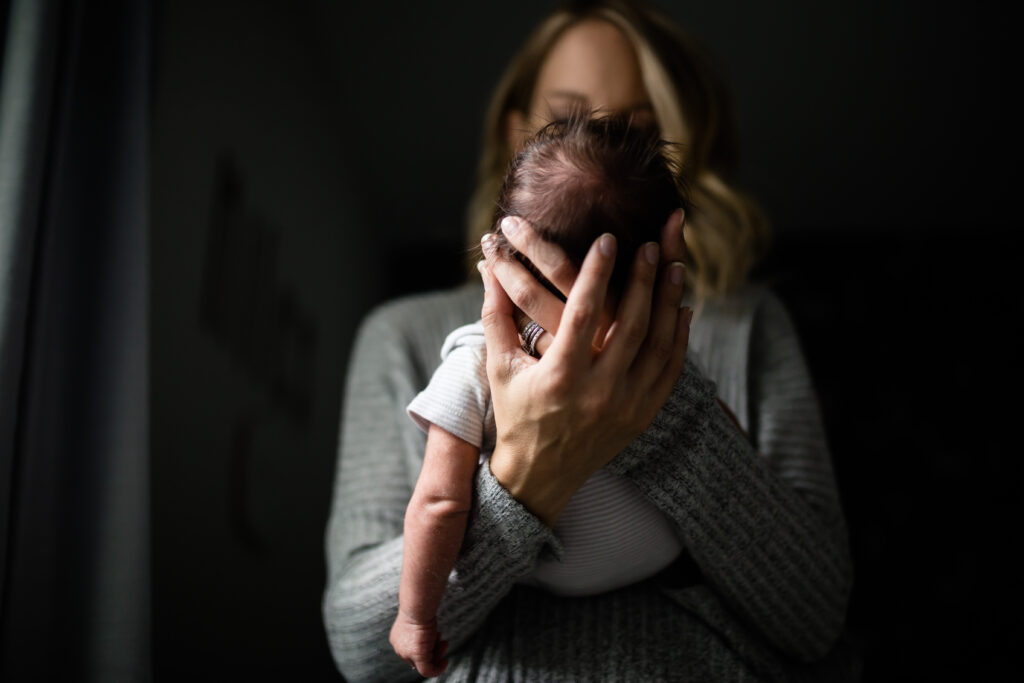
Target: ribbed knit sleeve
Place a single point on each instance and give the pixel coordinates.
(377, 467)
(765, 529)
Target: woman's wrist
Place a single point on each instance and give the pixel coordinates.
(537, 482)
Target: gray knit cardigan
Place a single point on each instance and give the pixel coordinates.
(761, 522)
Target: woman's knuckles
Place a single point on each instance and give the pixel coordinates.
(524, 296)
(581, 314)
(634, 333)
(563, 273)
(490, 313)
(660, 350)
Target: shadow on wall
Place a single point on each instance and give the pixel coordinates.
(257, 319)
(261, 268)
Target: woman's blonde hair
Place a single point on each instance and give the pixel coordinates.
(726, 231)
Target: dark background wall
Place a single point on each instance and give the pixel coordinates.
(311, 159)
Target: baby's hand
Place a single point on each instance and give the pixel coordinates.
(419, 644)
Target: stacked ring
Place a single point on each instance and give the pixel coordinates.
(531, 333)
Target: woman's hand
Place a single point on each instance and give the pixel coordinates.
(564, 416)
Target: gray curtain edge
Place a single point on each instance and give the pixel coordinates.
(26, 92)
(74, 383)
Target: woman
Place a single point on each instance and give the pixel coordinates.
(762, 590)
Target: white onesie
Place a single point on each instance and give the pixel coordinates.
(612, 536)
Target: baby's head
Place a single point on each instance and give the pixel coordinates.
(578, 178)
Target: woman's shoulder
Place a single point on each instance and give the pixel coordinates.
(731, 319)
(743, 305)
(736, 336)
(761, 313)
(429, 314)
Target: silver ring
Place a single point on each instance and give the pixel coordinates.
(531, 333)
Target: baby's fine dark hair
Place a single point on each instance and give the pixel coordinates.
(580, 177)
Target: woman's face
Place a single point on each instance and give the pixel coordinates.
(591, 66)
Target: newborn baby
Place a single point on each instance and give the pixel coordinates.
(573, 181)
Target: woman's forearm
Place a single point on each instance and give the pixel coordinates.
(777, 560)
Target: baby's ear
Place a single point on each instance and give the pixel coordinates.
(516, 130)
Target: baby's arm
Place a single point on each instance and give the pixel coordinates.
(435, 523)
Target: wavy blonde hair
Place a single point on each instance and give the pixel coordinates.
(726, 231)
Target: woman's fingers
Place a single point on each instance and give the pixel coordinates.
(660, 360)
(642, 339)
(546, 256)
(544, 342)
(502, 337)
(667, 379)
(643, 333)
(525, 291)
(630, 327)
(673, 247)
(660, 348)
(572, 345)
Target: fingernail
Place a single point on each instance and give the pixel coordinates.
(675, 273)
(509, 225)
(675, 219)
(487, 243)
(480, 268)
(651, 252)
(688, 315)
(606, 243)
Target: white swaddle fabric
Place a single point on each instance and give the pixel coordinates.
(612, 537)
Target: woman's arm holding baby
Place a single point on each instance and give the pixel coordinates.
(770, 546)
(767, 531)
